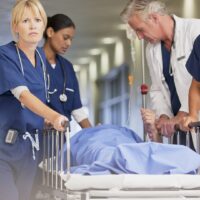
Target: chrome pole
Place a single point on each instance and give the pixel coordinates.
(48, 157)
(44, 165)
(188, 139)
(57, 151)
(143, 73)
(61, 158)
(143, 83)
(178, 137)
(52, 158)
(67, 135)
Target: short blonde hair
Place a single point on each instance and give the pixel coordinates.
(19, 8)
(143, 8)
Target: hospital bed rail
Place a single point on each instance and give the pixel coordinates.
(53, 167)
(195, 133)
(53, 161)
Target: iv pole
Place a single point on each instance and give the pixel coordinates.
(144, 86)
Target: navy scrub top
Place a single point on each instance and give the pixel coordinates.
(56, 86)
(12, 114)
(175, 102)
(193, 62)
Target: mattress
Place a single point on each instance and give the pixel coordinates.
(131, 181)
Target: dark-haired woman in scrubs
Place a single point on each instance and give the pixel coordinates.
(63, 86)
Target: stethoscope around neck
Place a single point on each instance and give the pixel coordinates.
(62, 96)
(43, 69)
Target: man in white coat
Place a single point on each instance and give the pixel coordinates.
(170, 41)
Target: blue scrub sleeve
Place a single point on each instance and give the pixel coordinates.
(10, 75)
(193, 63)
(77, 99)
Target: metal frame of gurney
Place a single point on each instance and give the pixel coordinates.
(58, 185)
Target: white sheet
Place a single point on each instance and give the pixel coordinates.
(130, 181)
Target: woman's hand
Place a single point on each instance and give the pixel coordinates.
(47, 124)
(59, 122)
(184, 125)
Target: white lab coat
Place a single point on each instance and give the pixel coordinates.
(186, 31)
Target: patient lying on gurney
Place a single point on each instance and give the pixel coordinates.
(110, 149)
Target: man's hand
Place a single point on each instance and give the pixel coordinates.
(166, 125)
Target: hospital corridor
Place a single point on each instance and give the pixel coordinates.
(99, 100)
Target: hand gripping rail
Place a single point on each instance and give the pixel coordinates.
(195, 126)
(53, 156)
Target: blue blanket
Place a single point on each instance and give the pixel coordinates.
(110, 149)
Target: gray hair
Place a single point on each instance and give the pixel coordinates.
(143, 8)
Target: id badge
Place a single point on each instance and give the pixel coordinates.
(11, 136)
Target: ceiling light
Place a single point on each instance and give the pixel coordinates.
(95, 52)
(83, 61)
(121, 26)
(109, 40)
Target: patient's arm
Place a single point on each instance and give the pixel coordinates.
(149, 119)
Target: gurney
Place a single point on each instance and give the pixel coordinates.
(64, 185)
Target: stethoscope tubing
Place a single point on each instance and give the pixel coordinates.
(43, 69)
